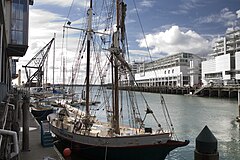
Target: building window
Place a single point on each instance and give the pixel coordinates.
(185, 55)
(19, 22)
(168, 71)
(185, 78)
(165, 72)
(172, 70)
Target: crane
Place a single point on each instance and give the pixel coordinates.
(37, 63)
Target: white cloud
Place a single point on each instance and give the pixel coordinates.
(190, 4)
(147, 3)
(42, 26)
(225, 16)
(174, 40)
(62, 3)
(141, 6)
(187, 5)
(44, 23)
(138, 55)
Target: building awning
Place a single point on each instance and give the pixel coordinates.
(16, 50)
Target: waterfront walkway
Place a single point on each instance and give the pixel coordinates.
(37, 152)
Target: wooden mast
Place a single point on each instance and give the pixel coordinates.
(89, 30)
(116, 94)
(54, 50)
(63, 63)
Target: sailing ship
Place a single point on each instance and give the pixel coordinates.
(86, 135)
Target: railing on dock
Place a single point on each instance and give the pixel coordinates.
(199, 90)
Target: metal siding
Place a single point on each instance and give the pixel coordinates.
(237, 61)
(3, 91)
(223, 63)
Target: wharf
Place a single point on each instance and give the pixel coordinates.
(160, 89)
(20, 134)
(36, 150)
(218, 91)
(205, 91)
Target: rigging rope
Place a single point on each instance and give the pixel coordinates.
(62, 54)
(162, 102)
(69, 13)
(105, 153)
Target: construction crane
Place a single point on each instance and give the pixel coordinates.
(36, 63)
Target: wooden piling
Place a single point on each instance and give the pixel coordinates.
(15, 122)
(25, 110)
(238, 117)
(219, 93)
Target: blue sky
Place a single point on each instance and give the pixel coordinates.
(170, 26)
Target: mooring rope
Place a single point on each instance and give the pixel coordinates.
(105, 153)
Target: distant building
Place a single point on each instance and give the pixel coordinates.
(223, 66)
(182, 69)
(14, 17)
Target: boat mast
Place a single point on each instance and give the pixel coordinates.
(116, 87)
(89, 34)
(54, 49)
(63, 63)
(72, 84)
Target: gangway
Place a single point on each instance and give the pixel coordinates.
(199, 90)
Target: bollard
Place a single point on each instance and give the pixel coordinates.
(206, 146)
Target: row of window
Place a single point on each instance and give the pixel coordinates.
(169, 71)
(19, 21)
(168, 64)
(213, 75)
(185, 78)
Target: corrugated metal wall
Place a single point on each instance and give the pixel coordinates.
(3, 91)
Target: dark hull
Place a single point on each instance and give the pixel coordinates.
(146, 152)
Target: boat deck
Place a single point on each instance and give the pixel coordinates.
(99, 129)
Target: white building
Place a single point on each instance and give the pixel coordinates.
(223, 65)
(182, 69)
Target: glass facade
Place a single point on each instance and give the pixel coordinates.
(19, 22)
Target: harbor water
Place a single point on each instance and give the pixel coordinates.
(190, 115)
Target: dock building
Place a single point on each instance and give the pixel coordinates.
(222, 67)
(14, 20)
(178, 70)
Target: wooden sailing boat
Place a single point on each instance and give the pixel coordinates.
(93, 139)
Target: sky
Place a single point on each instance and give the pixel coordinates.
(156, 27)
